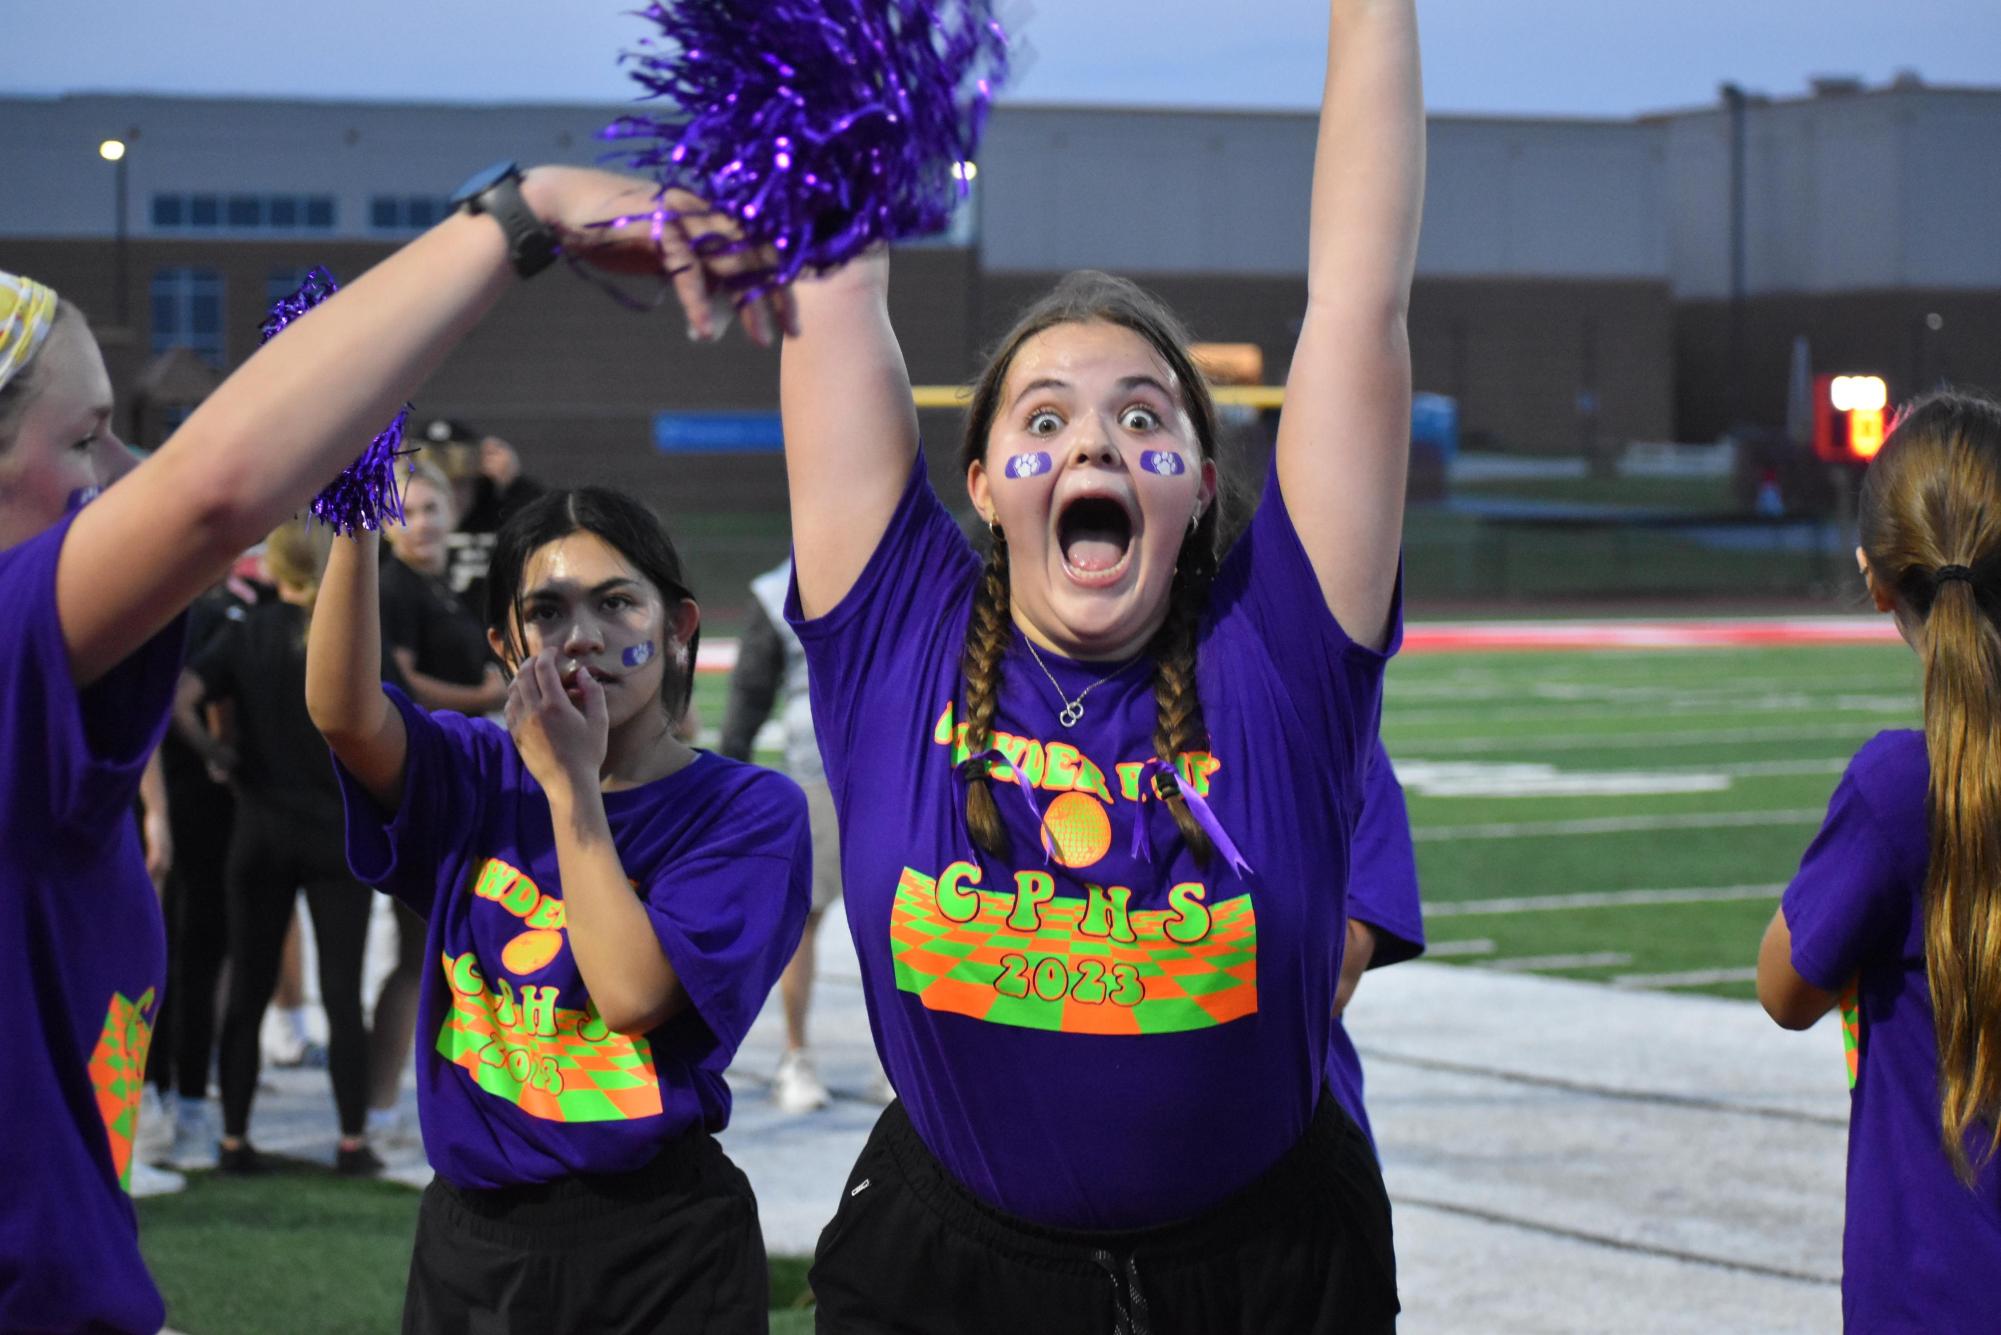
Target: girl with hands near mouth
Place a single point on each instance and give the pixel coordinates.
(606, 910)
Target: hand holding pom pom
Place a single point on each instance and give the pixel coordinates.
(364, 495)
(817, 128)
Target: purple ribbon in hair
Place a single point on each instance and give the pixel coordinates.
(1159, 771)
(973, 766)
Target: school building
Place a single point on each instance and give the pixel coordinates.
(1581, 283)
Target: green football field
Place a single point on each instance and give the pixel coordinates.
(1626, 816)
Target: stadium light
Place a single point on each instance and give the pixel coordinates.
(1850, 417)
(965, 171)
(112, 150)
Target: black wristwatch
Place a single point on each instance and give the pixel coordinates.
(496, 191)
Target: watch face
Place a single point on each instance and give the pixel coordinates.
(483, 180)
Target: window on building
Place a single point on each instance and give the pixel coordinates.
(177, 212)
(405, 213)
(187, 312)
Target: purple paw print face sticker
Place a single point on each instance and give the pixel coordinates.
(1027, 465)
(1163, 463)
(639, 655)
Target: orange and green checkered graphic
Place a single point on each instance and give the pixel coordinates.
(1851, 1032)
(118, 1074)
(553, 1063)
(1059, 977)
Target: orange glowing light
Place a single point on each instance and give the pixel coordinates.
(1865, 432)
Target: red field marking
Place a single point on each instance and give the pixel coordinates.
(1447, 637)
(1473, 637)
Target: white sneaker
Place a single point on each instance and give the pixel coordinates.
(156, 1127)
(796, 1088)
(193, 1146)
(150, 1181)
(388, 1128)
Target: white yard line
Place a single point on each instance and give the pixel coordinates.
(1902, 705)
(1856, 731)
(1687, 978)
(1440, 950)
(1414, 683)
(1602, 899)
(1596, 959)
(1689, 820)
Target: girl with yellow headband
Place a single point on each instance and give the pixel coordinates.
(92, 592)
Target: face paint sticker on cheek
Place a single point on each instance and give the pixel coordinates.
(1163, 463)
(639, 655)
(1027, 465)
(81, 497)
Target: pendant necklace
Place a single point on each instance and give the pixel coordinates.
(1073, 710)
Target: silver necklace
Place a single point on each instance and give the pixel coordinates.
(1073, 710)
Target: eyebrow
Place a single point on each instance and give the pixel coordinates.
(553, 592)
(1126, 386)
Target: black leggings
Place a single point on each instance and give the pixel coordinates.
(272, 855)
(197, 936)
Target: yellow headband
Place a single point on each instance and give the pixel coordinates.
(27, 313)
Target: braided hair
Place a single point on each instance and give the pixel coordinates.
(1088, 297)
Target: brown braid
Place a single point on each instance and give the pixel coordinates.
(1178, 727)
(987, 636)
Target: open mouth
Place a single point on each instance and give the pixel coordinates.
(1095, 535)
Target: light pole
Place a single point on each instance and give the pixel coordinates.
(1733, 103)
(113, 152)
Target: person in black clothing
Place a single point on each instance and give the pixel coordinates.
(288, 835)
(200, 812)
(439, 647)
(487, 487)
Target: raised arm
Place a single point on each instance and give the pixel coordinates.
(294, 414)
(1344, 436)
(850, 426)
(344, 672)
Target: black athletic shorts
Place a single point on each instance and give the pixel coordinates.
(1304, 1248)
(671, 1247)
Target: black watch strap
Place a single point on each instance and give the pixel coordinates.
(531, 243)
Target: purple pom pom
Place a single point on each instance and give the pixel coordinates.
(365, 494)
(821, 127)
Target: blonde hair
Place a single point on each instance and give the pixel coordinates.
(423, 467)
(1930, 521)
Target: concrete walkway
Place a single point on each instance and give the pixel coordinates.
(1562, 1156)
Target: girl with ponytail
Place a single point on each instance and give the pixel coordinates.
(1098, 787)
(1895, 915)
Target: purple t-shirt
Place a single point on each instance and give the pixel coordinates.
(82, 960)
(1099, 1038)
(1917, 1241)
(1382, 892)
(518, 1080)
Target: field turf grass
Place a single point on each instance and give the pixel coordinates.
(1760, 735)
